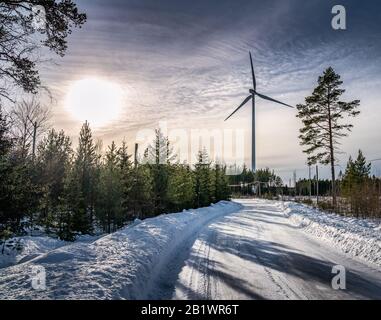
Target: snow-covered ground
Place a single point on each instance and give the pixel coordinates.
(259, 253)
(117, 266)
(19, 249)
(250, 249)
(360, 238)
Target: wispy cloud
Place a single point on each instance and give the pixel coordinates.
(187, 62)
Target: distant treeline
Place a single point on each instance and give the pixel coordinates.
(358, 193)
(82, 191)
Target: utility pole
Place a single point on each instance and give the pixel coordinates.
(34, 139)
(136, 155)
(317, 184)
(294, 177)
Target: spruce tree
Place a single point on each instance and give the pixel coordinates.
(159, 157)
(109, 205)
(358, 188)
(141, 196)
(54, 155)
(322, 116)
(203, 187)
(124, 159)
(127, 176)
(83, 182)
(18, 191)
(356, 173)
(5, 172)
(181, 188)
(222, 191)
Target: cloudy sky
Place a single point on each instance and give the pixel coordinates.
(185, 63)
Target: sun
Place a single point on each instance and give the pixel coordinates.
(94, 100)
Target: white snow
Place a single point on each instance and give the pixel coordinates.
(116, 266)
(249, 249)
(20, 249)
(259, 253)
(360, 238)
(24, 248)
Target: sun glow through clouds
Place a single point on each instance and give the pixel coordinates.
(94, 100)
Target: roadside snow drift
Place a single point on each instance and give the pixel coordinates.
(21, 249)
(360, 238)
(116, 266)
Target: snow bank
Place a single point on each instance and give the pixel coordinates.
(116, 266)
(359, 237)
(21, 249)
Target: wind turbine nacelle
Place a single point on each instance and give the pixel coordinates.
(252, 91)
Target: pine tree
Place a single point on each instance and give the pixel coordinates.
(362, 168)
(5, 173)
(160, 156)
(356, 173)
(203, 187)
(181, 188)
(222, 191)
(141, 195)
(244, 174)
(18, 191)
(23, 193)
(358, 188)
(54, 155)
(109, 203)
(323, 126)
(5, 139)
(83, 182)
(124, 161)
(127, 177)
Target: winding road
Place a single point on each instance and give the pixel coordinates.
(257, 253)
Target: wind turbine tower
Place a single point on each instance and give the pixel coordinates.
(253, 94)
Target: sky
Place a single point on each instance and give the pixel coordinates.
(184, 66)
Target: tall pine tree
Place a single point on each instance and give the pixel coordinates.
(203, 183)
(159, 158)
(54, 156)
(109, 202)
(82, 183)
(323, 122)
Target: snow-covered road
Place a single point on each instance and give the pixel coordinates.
(254, 249)
(258, 253)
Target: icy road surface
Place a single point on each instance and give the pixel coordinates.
(257, 253)
(254, 249)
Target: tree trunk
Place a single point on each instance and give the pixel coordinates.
(332, 154)
(333, 179)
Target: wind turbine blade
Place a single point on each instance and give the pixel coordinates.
(273, 100)
(240, 106)
(252, 73)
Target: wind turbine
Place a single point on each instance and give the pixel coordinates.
(253, 93)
